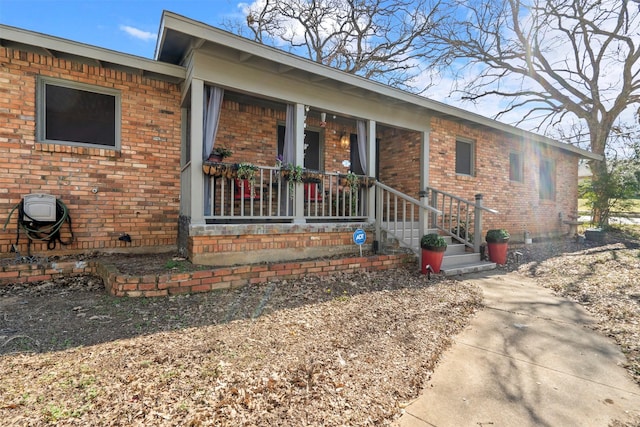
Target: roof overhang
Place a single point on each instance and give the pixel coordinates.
(16, 38)
(179, 36)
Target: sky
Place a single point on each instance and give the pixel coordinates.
(131, 27)
(125, 26)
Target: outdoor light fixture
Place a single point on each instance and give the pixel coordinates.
(344, 140)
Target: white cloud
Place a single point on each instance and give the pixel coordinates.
(138, 34)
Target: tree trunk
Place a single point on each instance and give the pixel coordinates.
(599, 133)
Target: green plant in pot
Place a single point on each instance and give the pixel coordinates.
(497, 245)
(433, 248)
(219, 153)
(247, 171)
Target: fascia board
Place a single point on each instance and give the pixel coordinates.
(92, 52)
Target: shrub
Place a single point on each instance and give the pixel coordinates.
(433, 241)
(498, 235)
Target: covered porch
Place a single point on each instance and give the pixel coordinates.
(299, 181)
(317, 154)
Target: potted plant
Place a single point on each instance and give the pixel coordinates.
(219, 153)
(497, 245)
(433, 248)
(247, 171)
(292, 174)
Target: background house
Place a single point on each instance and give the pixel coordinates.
(150, 178)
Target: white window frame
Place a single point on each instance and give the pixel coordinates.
(41, 124)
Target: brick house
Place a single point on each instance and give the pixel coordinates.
(131, 156)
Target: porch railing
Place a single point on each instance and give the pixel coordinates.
(461, 219)
(402, 216)
(271, 196)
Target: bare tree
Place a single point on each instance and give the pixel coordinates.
(377, 39)
(557, 60)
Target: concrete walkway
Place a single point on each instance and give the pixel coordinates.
(527, 359)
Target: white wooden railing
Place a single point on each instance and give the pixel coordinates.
(401, 216)
(461, 219)
(271, 196)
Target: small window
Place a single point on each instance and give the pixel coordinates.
(78, 114)
(464, 157)
(516, 167)
(547, 179)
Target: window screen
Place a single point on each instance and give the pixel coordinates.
(464, 158)
(547, 179)
(75, 114)
(515, 167)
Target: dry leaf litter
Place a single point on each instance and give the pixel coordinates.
(350, 349)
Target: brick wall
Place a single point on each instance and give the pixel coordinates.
(240, 244)
(171, 283)
(137, 188)
(251, 131)
(519, 203)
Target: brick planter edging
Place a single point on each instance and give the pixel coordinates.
(172, 283)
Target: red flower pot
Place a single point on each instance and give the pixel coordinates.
(498, 252)
(433, 258)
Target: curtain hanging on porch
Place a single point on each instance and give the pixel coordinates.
(212, 105)
(288, 155)
(362, 145)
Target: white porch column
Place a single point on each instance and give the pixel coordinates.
(298, 209)
(371, 168)
(424, 176)
(197, 177)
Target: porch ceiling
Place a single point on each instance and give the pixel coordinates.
(180, 35)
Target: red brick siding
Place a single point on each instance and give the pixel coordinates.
(251, 131)
(153, 285)
(519, 204)
(138, 187)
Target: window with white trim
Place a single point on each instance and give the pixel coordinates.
(74, 113)
(465, 157)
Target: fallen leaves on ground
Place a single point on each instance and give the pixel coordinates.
(341, 350)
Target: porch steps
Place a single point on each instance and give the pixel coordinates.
(458, 261)
(456, 258)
